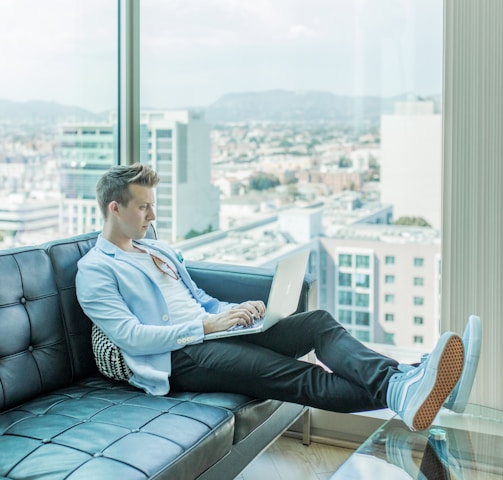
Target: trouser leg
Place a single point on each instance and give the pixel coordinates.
(342, 353)
(264, 366)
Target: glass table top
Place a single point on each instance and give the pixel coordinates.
(465, 446)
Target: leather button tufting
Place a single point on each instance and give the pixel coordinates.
(22, 300)
(30, 348)
(46, 440)
(135, 430)
(98, 454)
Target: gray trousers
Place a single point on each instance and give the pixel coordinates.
(265, 366)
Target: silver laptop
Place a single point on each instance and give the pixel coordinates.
(283, 297)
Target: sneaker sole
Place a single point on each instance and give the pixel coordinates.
(472, 353)
(450, 367)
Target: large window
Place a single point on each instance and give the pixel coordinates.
(58, 110)
(275, 124)
(287, 105)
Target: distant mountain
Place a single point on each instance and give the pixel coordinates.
(282, 105)
(272, 105)
(36, 111)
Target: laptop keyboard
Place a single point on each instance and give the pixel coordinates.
(257, 324)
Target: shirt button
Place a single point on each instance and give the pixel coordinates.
(165, 317)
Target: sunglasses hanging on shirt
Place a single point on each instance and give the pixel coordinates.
(164, 267)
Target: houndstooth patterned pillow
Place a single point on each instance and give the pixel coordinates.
(108, 356)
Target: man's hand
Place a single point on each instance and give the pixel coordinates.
(255, 307)
(244, 314)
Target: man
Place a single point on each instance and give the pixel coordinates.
(140, 294)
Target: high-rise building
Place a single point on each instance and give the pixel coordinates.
(179, 149)
(84, 153)
(411, 161)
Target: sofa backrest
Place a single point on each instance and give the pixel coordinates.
(64, 255)
(34, 355)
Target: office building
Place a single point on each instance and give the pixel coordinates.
(179, 150)
(411, 162)
(83, 152)
(385, 283)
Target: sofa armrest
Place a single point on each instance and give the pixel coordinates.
(237, 283)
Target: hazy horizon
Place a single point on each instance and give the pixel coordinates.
(195, 51)
(38, 100)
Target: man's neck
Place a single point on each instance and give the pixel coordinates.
(118, 239)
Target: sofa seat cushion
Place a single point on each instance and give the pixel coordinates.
(249, 412)
(104, 429)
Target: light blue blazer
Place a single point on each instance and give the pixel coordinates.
(127, 304)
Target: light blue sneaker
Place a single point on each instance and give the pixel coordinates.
(417, 394)
(472, 339)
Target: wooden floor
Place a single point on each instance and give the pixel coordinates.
(289, 459)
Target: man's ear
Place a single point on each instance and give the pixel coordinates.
(113, 207)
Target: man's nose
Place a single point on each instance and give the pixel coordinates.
(151, 213)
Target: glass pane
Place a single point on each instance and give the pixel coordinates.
(389, 298)
(418, 262)
(345, 298)
(362, 318)
(362, 299)
(344, 279)
(389, 259)
(362, 261)
(345, 260)
(58, 91)
(301, 123)
(345, 316)
(362, 281)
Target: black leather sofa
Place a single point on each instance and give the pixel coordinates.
(61, 419)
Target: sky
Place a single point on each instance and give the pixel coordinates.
(195, 51)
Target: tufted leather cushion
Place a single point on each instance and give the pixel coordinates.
(34, 357)
(249, 412)
(102, 429)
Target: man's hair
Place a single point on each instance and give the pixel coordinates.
(114, 184)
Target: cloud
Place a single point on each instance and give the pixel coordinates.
(301, 32)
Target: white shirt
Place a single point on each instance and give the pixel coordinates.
(182, 305)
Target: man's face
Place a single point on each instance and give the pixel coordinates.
(134, 219)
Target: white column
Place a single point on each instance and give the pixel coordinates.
(472, 224)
